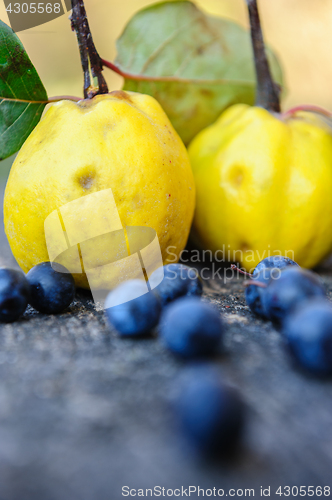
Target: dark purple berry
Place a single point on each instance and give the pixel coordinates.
(52, 288)
(14, 294)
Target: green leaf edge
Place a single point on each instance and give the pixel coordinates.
(41, 103)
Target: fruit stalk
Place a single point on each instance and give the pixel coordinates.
(236, 268)
(267, 93)
(94, 82)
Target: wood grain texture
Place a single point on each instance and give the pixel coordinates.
(83, 412)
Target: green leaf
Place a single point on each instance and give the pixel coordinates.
(195, 65)
(22, 94)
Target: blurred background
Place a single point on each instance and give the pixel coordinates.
(300, 31)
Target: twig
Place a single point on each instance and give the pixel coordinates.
(309, 108)
(234, 267)
(267, 94)
(255, 283)
(175, 79)
(94, 82)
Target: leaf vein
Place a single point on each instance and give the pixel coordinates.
(7, 84)
(188, 58)
(18, 118)
(13, 61)
(164, 44)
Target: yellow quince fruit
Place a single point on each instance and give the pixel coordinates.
(264, 177)
(121, 141)
(264, 184)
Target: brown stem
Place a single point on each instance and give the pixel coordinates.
(176, 79)
(113, 67)
(255, 283)
(234, 267)
(308, 108)
(94, 82)
(267, 93)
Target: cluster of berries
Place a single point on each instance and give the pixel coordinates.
(209, 411)
(47, 288)
(295, 300)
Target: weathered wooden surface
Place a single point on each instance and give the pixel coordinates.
(83, 412)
